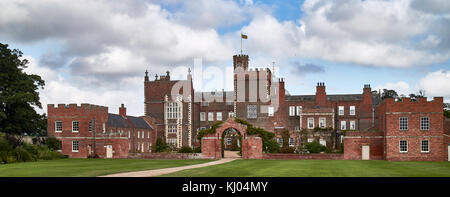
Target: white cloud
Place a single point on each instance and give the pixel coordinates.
(400, 87)
(436, 84)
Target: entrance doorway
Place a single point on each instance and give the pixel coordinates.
(231, 143)
(365, 152)
(109, 153)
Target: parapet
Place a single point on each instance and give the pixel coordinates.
(76, 106)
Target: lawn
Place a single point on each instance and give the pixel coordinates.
(319, 168)
(87, 167)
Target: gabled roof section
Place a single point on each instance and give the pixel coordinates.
(139, 122)
(116, 120)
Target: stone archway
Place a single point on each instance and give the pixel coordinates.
(212, 143)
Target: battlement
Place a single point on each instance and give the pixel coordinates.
(420, 100)
(407, 105)
(76, 106)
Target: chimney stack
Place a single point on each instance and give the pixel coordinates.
(123, 110)
(321, 95)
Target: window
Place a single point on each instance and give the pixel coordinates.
(352, 125)
(252, 111)
(229, 141)
(323, 142)
(403, 146)
(424, 123)
(58, 126)
(343, 125)
(205, 104)
(425, 148)
(139, 135)
(172, 141)
(148, 134)
(210, 116)
(74, 146)
(230, 114)
(104, 127)
(138, 145)
(59, 146)
(341, 110)
(310, 123)
(270, 111)
(403, 123)
(352, 110)
(171, 128)
(291, 110)
(219, 115)
(322, 123)
(297, 128)
(299, 110)
(75, 125)
(291, 142)
(310, 140)
(129, 134)
(90, 126)
(280, 141)
(202, 116)
(173, 110)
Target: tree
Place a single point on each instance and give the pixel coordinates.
(18, 95)
(159, 146)
(389, 94)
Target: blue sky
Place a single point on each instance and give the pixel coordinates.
(97, 51)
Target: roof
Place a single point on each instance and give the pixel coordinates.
(334, 97)
(116, 120)
(139, 122)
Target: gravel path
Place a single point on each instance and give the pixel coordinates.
(158, 172)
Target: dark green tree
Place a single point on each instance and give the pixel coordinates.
(159, 146)
(18, 95)
(389, 94)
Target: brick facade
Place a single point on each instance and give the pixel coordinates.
(87, 130)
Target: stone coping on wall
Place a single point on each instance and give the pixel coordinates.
(318, 156)
(165, 156)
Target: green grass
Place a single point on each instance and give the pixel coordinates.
(319, 168)
(87, 167)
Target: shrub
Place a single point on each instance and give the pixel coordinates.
(315, 147)
(271, 146)
(159, 146)
(22, 155)
(13, 141)
(32, 149)
(52, 143)
(185, 149)
(197, 149)
(287, 150)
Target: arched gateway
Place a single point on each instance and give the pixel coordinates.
(212, 143)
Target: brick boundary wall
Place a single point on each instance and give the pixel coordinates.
(353, 142)
(165, 156)
(318, 156)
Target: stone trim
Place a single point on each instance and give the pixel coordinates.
(414, 112)
(89, 138)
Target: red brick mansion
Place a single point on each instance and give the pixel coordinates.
(368, 126)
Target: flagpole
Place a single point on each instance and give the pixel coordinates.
(241, 43)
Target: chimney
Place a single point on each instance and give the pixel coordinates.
(367, 94)
(321, 95)
(123, 110)
(282, 91)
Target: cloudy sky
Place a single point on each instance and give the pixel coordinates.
(96, 51)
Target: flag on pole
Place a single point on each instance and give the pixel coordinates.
(243, 36)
